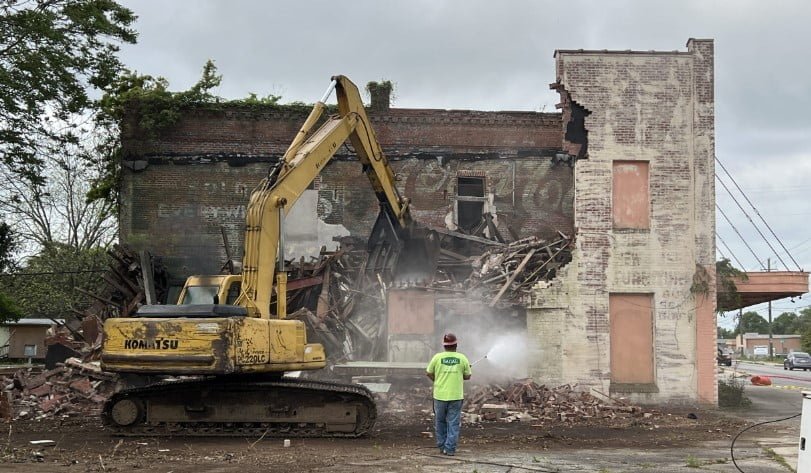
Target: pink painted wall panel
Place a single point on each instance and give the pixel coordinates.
(631, 338)
(630, 196)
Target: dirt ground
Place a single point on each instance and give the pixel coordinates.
(397, 443)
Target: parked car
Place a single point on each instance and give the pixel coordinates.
(797, 359)
(724, 357)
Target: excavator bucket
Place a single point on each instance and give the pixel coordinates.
(402, 255)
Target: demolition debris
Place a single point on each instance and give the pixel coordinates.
(520, 401)
(74, 388)
(527, 401)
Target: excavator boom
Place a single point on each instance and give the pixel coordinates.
(302, 163)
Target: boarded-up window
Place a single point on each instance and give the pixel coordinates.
(410, 311)
(630, 195)
(631, 338)
(469, 201)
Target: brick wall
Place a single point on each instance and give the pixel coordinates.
(656, 107)
(179, 189)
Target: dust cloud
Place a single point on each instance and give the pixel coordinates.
(499, 354)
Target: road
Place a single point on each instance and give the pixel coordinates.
(800, 380)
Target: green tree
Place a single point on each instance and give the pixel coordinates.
(787, 323)
(752, 322)
(727, 297)
(804, 320)
(7, 247)
(8, 311)
(52, 54)
(725, 333)
(46, 285)
(805, 341)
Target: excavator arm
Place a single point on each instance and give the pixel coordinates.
(306, 157)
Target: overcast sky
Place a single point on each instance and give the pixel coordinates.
(486, 55)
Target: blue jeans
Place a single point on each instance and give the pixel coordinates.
(448, 415)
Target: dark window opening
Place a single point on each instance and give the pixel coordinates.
(470, 214)
(470, 186)
(469, 202)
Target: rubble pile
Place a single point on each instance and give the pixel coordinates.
(340, 305)
(509, 271)
(131, 279)
(527, 401)
(73, 388)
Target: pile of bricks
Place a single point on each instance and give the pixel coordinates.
(72, 388)
(527, 401)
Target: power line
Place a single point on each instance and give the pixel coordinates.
(732, 253)
(758, 214)
(751, 221)
(800, 244)
(52, 273)
(739, 234)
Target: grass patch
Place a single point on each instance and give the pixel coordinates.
(778, 458)
(693, 462)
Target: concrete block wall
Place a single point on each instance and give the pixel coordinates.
(656, 107)
(180, 188)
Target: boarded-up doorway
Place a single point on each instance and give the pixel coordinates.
(631, 339)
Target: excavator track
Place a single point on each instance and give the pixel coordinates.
(239, 408)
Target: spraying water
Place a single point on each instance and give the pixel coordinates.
(506, 358)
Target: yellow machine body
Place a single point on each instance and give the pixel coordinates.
(208, 346)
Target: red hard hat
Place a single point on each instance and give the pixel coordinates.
(449, 339)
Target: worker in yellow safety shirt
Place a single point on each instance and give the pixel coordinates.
(448, 370)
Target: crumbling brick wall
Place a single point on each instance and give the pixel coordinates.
(642, 107)
(180, 188)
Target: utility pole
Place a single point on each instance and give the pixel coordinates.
(771, 345)
(740, 331)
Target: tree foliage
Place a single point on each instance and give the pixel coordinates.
(142, 106)
(143, 103)
(8, 311)
(58, 211)
(787, 323)
(726, 274)
(52, 53)
(46, 285)
(722, 332)
(8, 245)
(805, 341)
(752, 322)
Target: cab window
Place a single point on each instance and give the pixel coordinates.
(200, 295)
(233, 293)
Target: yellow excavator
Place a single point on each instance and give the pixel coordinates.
(225, 330)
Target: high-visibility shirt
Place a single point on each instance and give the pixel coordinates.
(449, 369)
